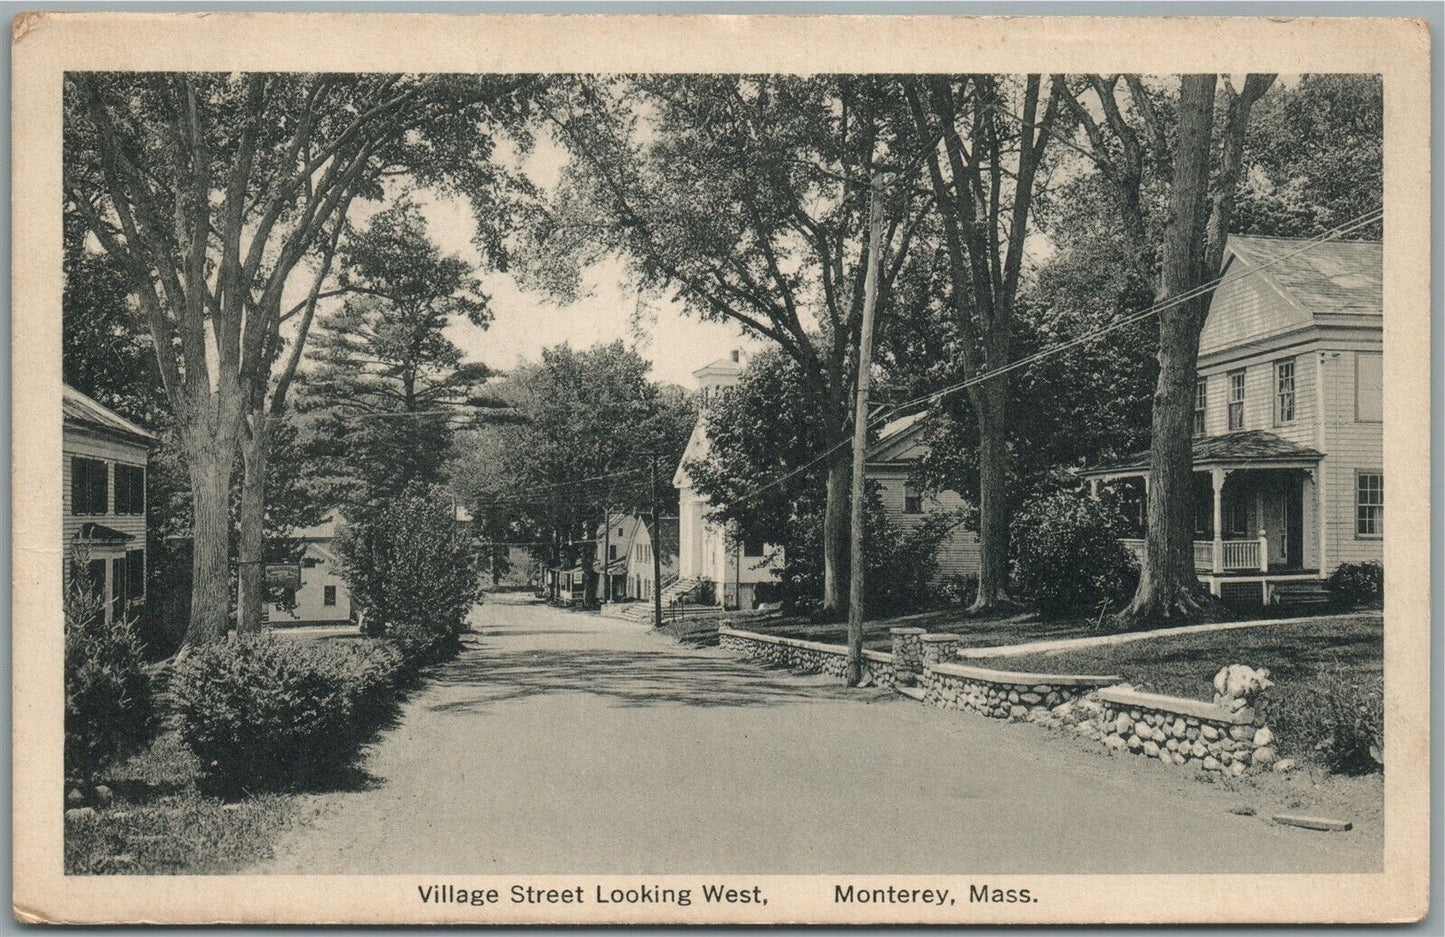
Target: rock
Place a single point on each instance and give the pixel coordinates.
(1134, 743)
(1245, 717)
(1043, 688)
(1263, 737)
(1151, 748)
(1242, 733)
(1238, 704)
(1178, 728)
(1172, 745)
(1262, 756)
(103, 795)
(1210, 733)
(1211, 763)
(1198, 750)
(1017, 711)
(1033, 699)
(1237, 768)
(1123, 724)
(1133, 715)
(1283, 765)
(1143, 729)
(1115, 743)
(1192, 733)
(1243, 810)
(1159, 735)
(80, 813)
(1179, 758)
(1013, 696)
(75, 798)
(1327, 824)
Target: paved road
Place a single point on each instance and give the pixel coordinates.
(564, 742)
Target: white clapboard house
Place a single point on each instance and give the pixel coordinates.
(1288, 419)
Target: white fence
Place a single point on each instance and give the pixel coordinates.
(1234, 554)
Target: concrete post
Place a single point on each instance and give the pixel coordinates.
(1216, 478)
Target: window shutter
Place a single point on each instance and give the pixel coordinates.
(77, 485)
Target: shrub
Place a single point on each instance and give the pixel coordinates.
(411, 572)
(265, 712)
(109, 698)
(1354, 584)
(1067, 554)
(958, 590)
(704, 593)
(1338, 720)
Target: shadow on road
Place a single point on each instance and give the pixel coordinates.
(626, 677)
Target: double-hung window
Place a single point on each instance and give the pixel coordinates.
(1284, 391)
(1201, 404)
(88, 486)
(130, 489)
(1369, 505)
(1236, 400)
(912, 499)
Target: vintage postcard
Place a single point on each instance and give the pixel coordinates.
(720, 469)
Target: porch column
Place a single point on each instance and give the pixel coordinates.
(1216, 478)
(1094, 488)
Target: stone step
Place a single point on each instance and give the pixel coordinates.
(912, 692)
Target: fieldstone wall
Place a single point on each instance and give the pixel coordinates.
(907, 654)
(940, 648)
(1230, 736)
(806, 656)
(1004, 694)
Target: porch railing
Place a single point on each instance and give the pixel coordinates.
(1233, 555)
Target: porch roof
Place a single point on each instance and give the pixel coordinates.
(1250, 448)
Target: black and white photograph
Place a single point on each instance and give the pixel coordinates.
(612, 494)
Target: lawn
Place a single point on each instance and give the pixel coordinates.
(1326, 671)
(160, 824)
(978, 631)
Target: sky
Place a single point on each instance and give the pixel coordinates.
(525, 321)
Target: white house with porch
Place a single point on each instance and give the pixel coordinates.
(1288, 445)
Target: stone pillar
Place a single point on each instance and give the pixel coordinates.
(907, 654)
(940, 648)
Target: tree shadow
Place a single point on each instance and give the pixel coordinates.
(628, 678)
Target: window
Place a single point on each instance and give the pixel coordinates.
(1236, 400)
(1234, 515)
(130, 489)
(1369, 388)
(612, 551)
(1369, 505)
(1201, 404)
(1284, 391)
(310, 562)
(88, 488)
(912, 500)
(135, 570)
(328, 595)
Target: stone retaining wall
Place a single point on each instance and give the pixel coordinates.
(940, 648)
(1004, 694)
(1231, 737)
(806, 656)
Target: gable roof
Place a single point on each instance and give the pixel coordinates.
(897, 438)
(1329, 277)
(83, 411)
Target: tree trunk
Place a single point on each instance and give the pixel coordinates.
(835, 534)
(1167, 585)
(251, 579)
(210, 539)
(993, 507)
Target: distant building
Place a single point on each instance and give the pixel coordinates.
(627, 543)
(706, 554)
(1288, 419)
(314, 591)
(103, 520)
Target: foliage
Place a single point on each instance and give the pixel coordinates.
(411, 572)
(109, 698)
(1314, 157)
(1067, 554)
(1340, 719)
(585, 428)
(265, 712)
(1355, 584)
(388, 384)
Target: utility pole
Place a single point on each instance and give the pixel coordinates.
(656, 555)
(860, 433)
(604, 581)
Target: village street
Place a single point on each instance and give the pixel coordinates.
(564, 742)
